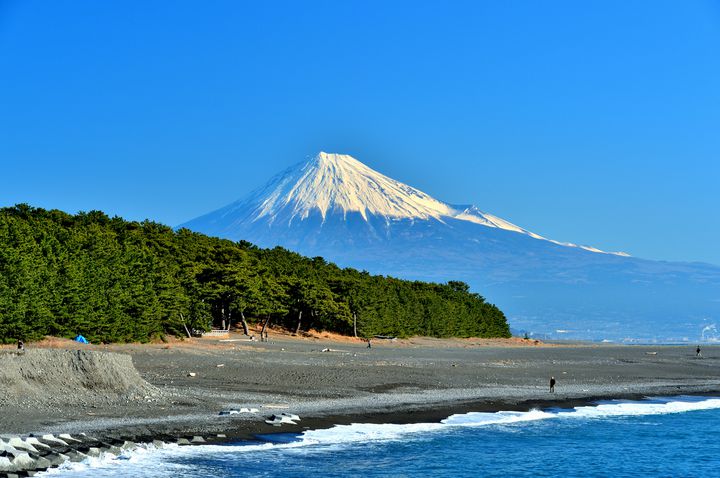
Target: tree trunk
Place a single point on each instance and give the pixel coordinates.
(229, 320)
(312, 319)
(184, 325)
(222, 315)
(355, 324)
(244, 323)
(297, 329)
(265, 324)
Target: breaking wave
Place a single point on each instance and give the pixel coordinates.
(173, 460)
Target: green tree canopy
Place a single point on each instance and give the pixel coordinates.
(115, 280)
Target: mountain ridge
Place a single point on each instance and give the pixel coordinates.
(330, 183)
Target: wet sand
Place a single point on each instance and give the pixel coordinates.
(327, 382)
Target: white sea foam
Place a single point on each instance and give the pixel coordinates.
(148, 460)
(615, 408)
(659, 406)
(476, 419)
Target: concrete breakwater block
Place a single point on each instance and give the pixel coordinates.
(41, 463)
(23, 462)
(235, 411)
(17, 457)
(283, 418)
(104, 447)
(5, 447)
(19, 444)
(68, 439)
(31, 440)
(91, 451)
(60, 449)
(5, 464)
(115, 450)
(52, 440)
(19, 461)
(114, 440)
(56, 459)
(76, 456)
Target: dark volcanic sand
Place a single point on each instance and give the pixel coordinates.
(406, 381)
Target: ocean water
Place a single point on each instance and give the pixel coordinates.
(668, 437)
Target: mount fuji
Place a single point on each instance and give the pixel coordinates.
(336, 207)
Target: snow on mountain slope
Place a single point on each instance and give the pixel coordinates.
(473, 214)
(338, 184)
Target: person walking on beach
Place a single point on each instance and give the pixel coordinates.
(552, 384)
(369, 344)
(697, 352)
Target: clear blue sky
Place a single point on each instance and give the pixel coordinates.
(593, 122)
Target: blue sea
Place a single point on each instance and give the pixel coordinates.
(669, 437)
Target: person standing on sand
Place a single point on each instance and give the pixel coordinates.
(697, 352)
(552, 384)
(369, 344)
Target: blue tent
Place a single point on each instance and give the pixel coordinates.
(81, 339)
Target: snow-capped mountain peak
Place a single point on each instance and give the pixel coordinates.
(337, 184)
(331, 183)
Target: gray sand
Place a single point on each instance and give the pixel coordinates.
(414, 380)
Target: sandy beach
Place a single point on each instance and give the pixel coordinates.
(184, 385)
